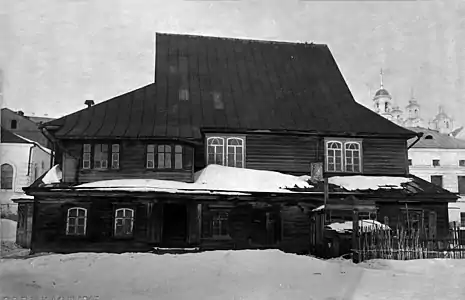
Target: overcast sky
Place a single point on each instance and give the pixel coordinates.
(57, 53)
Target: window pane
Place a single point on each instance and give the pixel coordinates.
(86, 147)
(119, 213)
(81, 221)
(161, 160)
(150, 148)
(129, 213)
(81, 212)
(72, 212)
(150, 164)
(178, 149)
(71, 228)
(168, 160)
(178, 161)
(115, 148)
(161, 148)
(104, 148)
(6, 176)
(167, 148)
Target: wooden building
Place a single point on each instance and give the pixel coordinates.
(245, 104)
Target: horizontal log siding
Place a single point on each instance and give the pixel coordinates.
(287, 154)
(384, 157)
(132, 166)
(49, 233)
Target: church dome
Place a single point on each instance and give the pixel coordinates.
(412, 103)
(382, 92)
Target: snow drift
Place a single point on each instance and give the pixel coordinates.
(7, 230)
(247, 275)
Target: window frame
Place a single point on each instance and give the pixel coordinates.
(187, 156)
(12, 187)
(76, 225)
(458, 185)
(116, 218)
(343, 142)
(226, 138)
(88, 156)
(216, 217)
(437, 176)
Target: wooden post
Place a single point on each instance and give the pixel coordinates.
(326, 196)
(355, 241)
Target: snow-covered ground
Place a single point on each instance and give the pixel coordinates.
(253, 275)
(7, 230)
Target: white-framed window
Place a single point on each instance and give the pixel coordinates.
(76, 221)
(215, 150)
(101, 156)
(220, 226)
(226, 151)
(115, 156)
(352, 157)
(169, 157)
(124, 222)
(343, 156)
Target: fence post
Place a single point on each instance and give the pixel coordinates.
(355, 241)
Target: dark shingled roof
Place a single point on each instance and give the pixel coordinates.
(9, 137)
(232, 85)
(433, 139)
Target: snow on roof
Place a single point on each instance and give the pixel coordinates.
(22, 196)
(53, 175)
(215, 179)
(319, 208)
(35, 143)
(359, 182)
(364, 225)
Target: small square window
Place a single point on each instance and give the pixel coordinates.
(436, 163)
(409, 162)
(462, 163)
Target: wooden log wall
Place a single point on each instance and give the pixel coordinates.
(132, 165)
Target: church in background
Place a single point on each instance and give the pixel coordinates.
(439, 156)
(384, 105)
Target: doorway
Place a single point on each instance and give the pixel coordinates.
(174, 225)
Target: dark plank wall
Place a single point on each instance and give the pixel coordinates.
(393, 211)
(385, 157)
(295, 230)
(287, 154)
(132, 166)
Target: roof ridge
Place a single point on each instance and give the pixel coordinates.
(250, 40)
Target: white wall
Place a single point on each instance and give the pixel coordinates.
(17, 155)
(422, 166)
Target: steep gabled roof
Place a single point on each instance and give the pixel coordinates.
(232, 85)
(9, 137)
(433, 139)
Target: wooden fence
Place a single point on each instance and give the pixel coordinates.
(406, 244)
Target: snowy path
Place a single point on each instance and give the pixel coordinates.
(253, 275)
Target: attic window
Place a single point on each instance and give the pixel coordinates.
(14, 124)
(428, 137)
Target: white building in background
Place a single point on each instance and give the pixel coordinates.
(439, 157)
(22, 161)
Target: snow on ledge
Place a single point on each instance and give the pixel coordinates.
(214, 179)
(53, 175)
(364, 225)
(358, 182)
